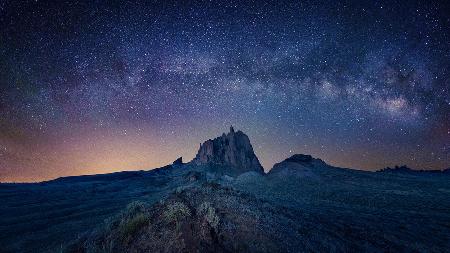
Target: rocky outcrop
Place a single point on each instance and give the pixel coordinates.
(232, 149)
(179, 161)
(210, 218)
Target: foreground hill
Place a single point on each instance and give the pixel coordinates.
(212, 204)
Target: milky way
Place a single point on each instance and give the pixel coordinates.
(99, 87)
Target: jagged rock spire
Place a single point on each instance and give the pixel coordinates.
(179, 161)
(232, 149)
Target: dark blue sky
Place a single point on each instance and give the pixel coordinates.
(120, 85)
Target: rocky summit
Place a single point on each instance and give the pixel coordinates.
(231, 149)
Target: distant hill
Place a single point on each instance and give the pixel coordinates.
(406, 169)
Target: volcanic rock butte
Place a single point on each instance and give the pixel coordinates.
(299, 165)
(232, 149)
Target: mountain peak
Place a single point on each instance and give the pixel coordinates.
(231, 149)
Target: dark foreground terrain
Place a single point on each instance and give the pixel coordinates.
(301, 205)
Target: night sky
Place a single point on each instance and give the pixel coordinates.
(92, 87)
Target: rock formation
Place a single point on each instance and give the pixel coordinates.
(232, 149)
(179, 161)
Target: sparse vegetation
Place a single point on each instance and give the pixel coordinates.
(208, 211)
(176, 211)
(129, 227)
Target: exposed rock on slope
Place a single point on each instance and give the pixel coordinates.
(232, 149)
(210, 218)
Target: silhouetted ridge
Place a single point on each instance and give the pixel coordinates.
(406, 169)
(232, 149)
(298, 165)
(299, 158)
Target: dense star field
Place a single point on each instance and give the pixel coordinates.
(93, 87)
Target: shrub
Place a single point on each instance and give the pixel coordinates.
(131, 220)
(136, 207)
(209, 212)
(133, 225)
(176, 211)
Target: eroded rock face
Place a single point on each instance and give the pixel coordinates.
(232, 149)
